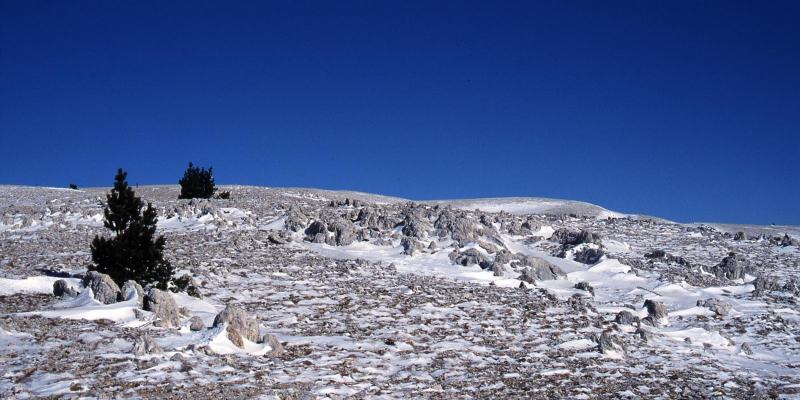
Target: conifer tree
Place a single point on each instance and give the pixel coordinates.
(133, 252)
(197, 183)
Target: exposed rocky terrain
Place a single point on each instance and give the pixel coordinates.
(317, 294)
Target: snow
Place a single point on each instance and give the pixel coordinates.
(33, 284)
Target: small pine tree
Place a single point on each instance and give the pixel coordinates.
(133, 252)
(197, 183)
(73, 186)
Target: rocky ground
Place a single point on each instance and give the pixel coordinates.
(374, 297)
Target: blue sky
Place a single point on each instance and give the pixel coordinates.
(685, 110)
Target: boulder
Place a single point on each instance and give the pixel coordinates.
(585, 286)
(274, 344)
(238, 322)
(62, 289)
(144, 345)
(372, 218)
(131, 289)
(644, 334)
(411, 246)
(343, 232)
(785, 241)
(469, 257)
(457, 225)
(747, 349)
(540, 270)
(739, 236)
(196, 324)
(607, 343)
(164, 307)
(763, 284)
(792, 286)
(414, 224)
(588, 255)
(719, 307)
(504, 257)
(734, 266)
(656, 311)
(573, 238)
(104, 288)
(317, 232)
(295, 219)
(500, 269)
(625, 317)
(278, 239)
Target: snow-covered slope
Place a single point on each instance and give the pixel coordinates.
(377, 297)
(531, 205)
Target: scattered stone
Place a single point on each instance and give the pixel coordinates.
(739, 236)
(747, 349)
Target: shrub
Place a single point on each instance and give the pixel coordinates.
(197, 183)
(224, 195)
(73, 186)
(133, 252)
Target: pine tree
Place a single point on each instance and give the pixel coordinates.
(197, 183)
(133, 252)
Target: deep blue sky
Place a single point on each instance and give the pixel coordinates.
(685, 110)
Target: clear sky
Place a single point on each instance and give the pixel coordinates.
(684, 110)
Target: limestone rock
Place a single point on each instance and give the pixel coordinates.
(541, 270)
(656, 311)
(196, 324)
(145, 345)
(104, 288)
(719, 307)
(238, 321)
(62, 289)
(131, 289)
(164, 307)
(625, 317)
